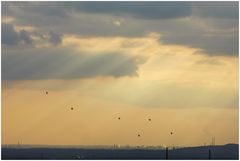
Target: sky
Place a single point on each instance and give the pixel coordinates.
(173, 62)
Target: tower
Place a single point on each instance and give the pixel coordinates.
(213, 141)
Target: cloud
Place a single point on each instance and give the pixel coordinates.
(25, 36)
(222, 9)
(145, 10)
(12, 37)
(33, 64)
(160, 10)
(9, 35)
(216, 44)
(141, 10)
(210, 26)
(55, 38)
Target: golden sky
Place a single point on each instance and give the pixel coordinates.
(179, 69)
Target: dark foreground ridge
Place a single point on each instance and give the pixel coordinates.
(229, 151)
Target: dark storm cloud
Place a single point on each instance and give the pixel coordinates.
(11, 37)
(60, 64)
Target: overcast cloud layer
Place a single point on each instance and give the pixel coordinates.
(210, 27)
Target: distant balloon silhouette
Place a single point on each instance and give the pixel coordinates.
(46, 92)
(139, 135)
(149, 119)
(71, 108)
(171, 133)
(119, 118)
